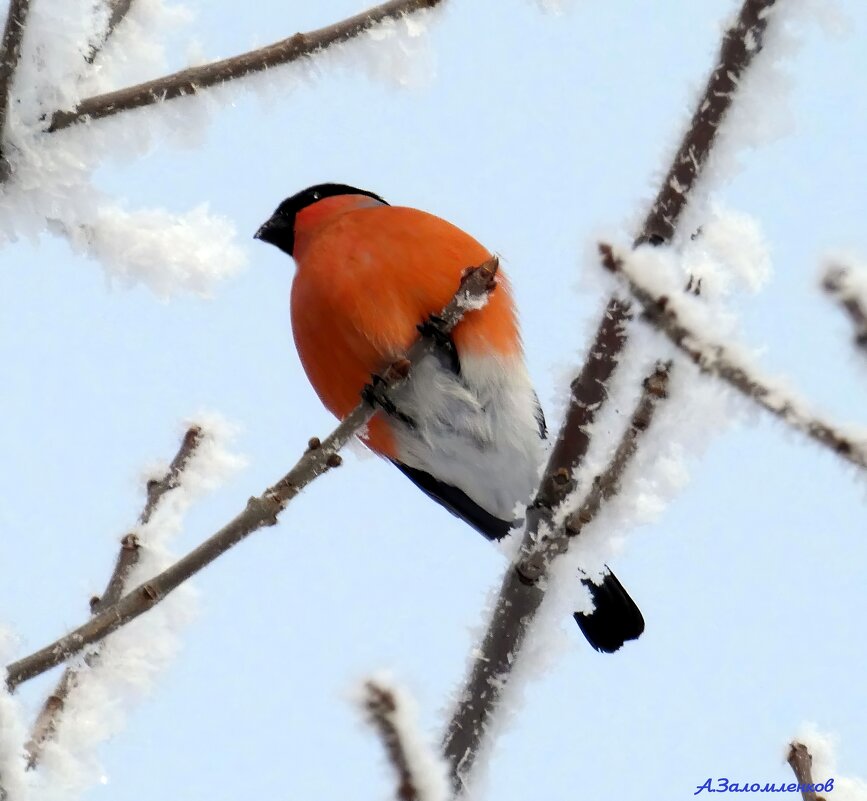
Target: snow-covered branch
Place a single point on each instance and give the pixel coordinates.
(801, 762)
(665, 314)
(263, 510)
(848, 286)
(520, 597)
(420, 776)
(193, 80)
(536, 559)
(117, 10)
(128, 557)
(10, 52)
(522, 593)
(741, 44)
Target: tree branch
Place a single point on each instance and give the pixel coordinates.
(384, 712)
(520, 598)
(192, 80)
(742, 42)
(801, 762)
(117, 11)
(837, 282)
(10, 53)
(263, 510)
(47, 719)
(714, 359)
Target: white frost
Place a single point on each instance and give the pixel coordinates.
(821, 746)
(132, 658)
(52, 187)
(428, 771)
(14, 781)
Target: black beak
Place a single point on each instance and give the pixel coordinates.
(264, 230)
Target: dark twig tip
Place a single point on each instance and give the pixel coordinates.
(130, 542)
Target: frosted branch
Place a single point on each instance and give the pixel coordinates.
(841, 284)
(715, 359)
(518, 600)
(416, 770)
(263, 510)
(193, 80)
(47, 719)
(801, 762)
(10, 53)
(117, 10)
(740, 45)
(522, 592)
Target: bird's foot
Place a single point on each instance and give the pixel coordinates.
(433, 328)
(374, 394)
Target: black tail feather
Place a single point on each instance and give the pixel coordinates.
(615, 617)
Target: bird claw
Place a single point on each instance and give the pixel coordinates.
(374, 395)
(433, 329)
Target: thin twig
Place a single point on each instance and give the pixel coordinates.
(801, 762)
(262, 510)
(519, 600)
(382, 707)
(10, 53)
(117, 11)
(192, 80)
(606, 485)
(714, 359)
(46, 721)
(836, 282)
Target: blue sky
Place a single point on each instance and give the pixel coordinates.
(537, 133)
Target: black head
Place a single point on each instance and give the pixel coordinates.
(279, 229)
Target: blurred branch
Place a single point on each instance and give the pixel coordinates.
(837, 283)
(117, 10)
(383, 711)
(520, 596)
(10, 53)
(714, 359)
(47, 719)
(263, 510)
(192, 80)
(801, 762)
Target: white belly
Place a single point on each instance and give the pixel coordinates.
(477, 431)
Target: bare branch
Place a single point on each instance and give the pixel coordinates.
(10, 53)
(715, 359)
(192, 80)
(801, 762)
(383, 708)
(263, 510)
(520, 599)
(47, 719)
(837, 283)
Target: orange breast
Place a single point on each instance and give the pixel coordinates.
(365, 281)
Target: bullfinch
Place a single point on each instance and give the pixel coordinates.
(467, 429)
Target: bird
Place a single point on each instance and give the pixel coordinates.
(467, 428)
